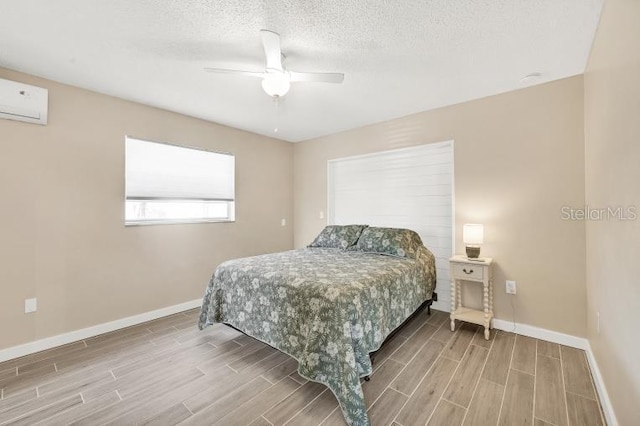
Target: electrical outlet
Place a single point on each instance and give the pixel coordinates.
(321, 215)
(283, 222)
(30, 305)
(598, 322)
(510, 287)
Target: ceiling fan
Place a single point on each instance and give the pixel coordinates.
(276, 80)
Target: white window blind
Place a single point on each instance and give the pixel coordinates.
(405, 188)
(173, 183)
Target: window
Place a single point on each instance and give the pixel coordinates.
(174, 184)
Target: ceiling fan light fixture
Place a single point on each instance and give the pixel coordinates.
(276, 83)
(276, 80)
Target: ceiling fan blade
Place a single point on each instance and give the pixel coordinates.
(320, 77)
(271, 42)
(236, 72)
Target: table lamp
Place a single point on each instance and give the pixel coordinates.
(473, 237)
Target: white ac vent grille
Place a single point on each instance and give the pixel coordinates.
(22, 102)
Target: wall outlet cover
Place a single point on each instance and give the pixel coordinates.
(30, 305)
(510, 287)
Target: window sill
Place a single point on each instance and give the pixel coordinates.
(175, 222)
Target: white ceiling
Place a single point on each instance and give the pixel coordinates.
(399, 57)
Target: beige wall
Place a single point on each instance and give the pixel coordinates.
(612, 136)
(61, 215)
(519, 157)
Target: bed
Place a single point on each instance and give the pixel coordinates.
(328, 305)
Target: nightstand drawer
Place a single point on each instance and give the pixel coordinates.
(464, 271)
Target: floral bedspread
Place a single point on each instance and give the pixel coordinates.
(326, 307)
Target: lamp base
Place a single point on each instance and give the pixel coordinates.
(473, 252)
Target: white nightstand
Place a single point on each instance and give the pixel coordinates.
(479, 271)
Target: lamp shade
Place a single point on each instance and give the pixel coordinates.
(473, 233)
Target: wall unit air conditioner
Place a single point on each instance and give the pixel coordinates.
(22, 102)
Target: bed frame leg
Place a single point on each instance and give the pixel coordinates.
(367, 378)
(434, 298)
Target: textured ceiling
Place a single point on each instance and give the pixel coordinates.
(398, 57)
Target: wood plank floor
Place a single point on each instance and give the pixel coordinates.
(166, 372)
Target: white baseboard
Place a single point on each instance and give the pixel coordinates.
(605, 402)
(542, 334)
(526, 330)
(85, 333)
